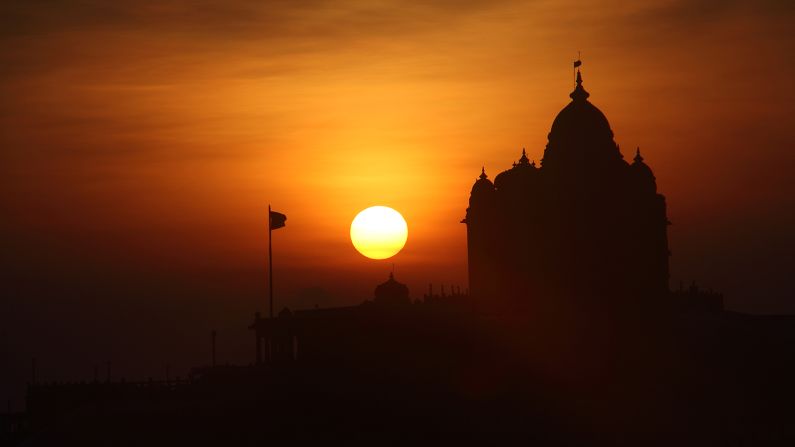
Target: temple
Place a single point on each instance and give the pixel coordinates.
(585, 225)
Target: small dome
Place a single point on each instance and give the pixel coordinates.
(392, 292)
(519, 176)
(482, 187)
(643, 173)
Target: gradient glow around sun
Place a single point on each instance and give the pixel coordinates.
(379, 232)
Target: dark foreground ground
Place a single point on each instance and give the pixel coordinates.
(702, 379)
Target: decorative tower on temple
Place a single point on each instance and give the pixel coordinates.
(480, 221)
(585, 227)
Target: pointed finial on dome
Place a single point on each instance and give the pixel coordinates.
(579, 92)
(638, 158)
(483, 175)
(524, 160)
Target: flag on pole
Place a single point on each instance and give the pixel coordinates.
(577, 63)
(277, 220)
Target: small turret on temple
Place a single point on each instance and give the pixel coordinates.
(644, 177)
(523, 160)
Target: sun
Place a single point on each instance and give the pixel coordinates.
(379, 232)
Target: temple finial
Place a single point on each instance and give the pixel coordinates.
(524, 160)
(579, 92)
(638, 157)
(577, 63)
(483, 175)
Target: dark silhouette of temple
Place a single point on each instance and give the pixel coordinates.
(584, 224)
(567, 335)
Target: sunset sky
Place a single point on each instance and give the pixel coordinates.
(142, 141)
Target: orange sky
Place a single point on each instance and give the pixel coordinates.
(142, 141)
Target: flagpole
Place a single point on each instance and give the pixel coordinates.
(270, 263)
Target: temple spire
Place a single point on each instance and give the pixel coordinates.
(524, 160)
(579, 93)
(638, 158)
(483, 175)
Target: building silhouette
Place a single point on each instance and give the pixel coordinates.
(584, 224)
(627, 362)
(370, 332)
(392, 292)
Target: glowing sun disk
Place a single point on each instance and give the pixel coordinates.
(379, 232)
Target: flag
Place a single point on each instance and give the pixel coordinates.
(277, 220)
(577, 63)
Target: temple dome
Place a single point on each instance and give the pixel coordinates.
(392, 292)
(580, 133)
(521, 175)
(581, 117)
(482, 188)
(643, 174)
